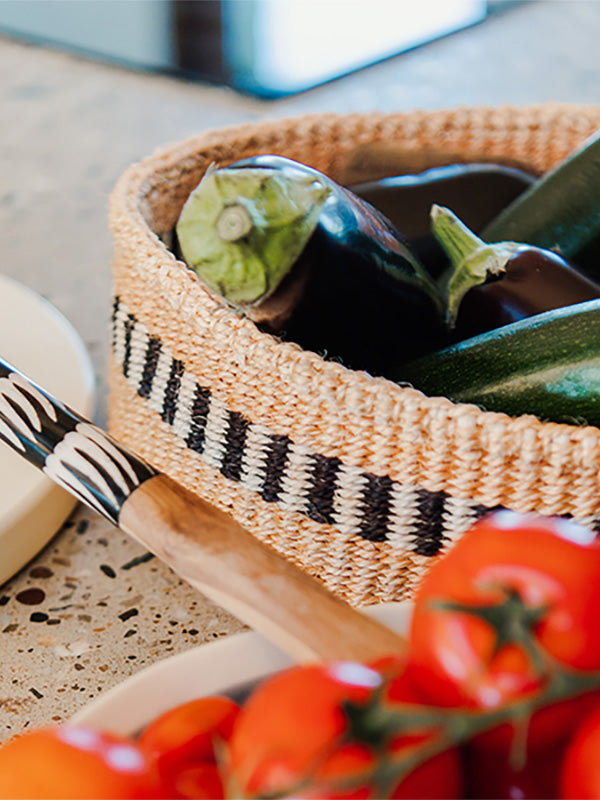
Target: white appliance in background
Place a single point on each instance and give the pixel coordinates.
(265, 47)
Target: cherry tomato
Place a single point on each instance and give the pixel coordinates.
(200, 781)
(490, 775)
(515, 590)
(546, 727)
(293, 722)
(76, 762)
(390, 666)
(580, 774)
(189, 732)
(295, 737)
(436, 779)
(440, 778)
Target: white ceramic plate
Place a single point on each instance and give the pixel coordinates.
(38, 340)
(212, 668)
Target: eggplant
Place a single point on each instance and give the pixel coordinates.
(310, 262)
(476, 192)
(491, 285)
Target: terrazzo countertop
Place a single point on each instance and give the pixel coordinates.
(93, 607)
(90, 610)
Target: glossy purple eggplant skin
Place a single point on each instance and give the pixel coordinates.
(535, 280)
(353, 308)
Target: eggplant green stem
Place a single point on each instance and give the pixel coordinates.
(473, 260)
(233, 223)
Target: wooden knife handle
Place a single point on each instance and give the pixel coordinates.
(211, 551)
(202, 544)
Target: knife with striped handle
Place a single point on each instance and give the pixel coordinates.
(202, 544)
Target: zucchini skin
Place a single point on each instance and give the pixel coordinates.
(547, 365)
(354, 308)
(560, 212)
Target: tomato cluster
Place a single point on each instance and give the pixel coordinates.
(496, 696)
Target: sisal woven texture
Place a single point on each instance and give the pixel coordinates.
(357, 480)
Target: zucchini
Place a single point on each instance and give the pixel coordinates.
(561, 211)
(547, 365)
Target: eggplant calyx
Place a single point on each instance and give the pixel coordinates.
(233, 223)
(243, 230)
(473, 260)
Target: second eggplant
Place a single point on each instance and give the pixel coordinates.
(310, 262)
(492, 285)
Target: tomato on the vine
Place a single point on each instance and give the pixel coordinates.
(75, 762)
(189, 731)
(314, 732)
(197, 781)
(490, 775)
(511, 603)
(185, 742)
(514, 597)
(293, 722)
(580, 774)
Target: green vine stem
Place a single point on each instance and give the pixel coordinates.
(451, 727)
(445, 728)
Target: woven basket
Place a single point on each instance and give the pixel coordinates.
(357, 480)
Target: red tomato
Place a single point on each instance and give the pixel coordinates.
(200, 781)
(440, 778)
(514, 589)
(73, 762)
(490, 775)
(546, 727)
(293, 722)
(389, 667)
(294, 738)
(580, 775)
(436, 779)
(347, 762)
(188, 732)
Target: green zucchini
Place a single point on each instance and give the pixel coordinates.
(547, 365)
(561, 211)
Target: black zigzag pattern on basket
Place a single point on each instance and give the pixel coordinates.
(275, 467)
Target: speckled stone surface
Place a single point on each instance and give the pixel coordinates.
(91, 608)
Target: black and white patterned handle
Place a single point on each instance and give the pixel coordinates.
(73, 452)
(203, 545)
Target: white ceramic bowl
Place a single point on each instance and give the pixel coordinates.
(217, 667)
(36, 339)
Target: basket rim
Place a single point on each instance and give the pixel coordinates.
(126, 218)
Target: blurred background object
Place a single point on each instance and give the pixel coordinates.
(264, 47)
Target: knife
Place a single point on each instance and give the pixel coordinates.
(202, 544)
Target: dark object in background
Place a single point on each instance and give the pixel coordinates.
(272, 48)
(476, 193)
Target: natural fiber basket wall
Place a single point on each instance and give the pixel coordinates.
(359, 481)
